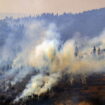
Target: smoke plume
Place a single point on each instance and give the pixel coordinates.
(41, 53)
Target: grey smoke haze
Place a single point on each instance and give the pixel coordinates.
(41, 46)
(40, 49)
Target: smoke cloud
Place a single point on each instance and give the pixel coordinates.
(41, 53)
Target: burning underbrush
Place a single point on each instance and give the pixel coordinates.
(90, 92)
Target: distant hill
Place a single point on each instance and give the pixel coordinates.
(90, 23)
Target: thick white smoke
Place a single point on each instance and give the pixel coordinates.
(40, 49)
(47, 57)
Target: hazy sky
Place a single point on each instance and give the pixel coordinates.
(41, 6)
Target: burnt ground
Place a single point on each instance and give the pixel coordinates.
(64, 93)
